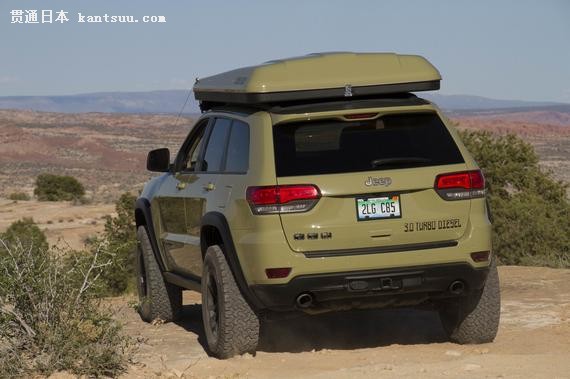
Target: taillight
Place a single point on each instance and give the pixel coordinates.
(460, 185)
(282, 199)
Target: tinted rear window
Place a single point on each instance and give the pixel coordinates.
(389, 142)
(216, 145)
(238, 148)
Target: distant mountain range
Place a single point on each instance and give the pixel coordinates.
(172, 101)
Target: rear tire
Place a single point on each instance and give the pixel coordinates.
(475, 318)
(230, 324)
(158, 300)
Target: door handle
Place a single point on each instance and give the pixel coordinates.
(180, 185)
(209, 187)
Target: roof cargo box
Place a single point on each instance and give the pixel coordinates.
(319, 76)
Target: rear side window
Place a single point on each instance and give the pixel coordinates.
(214, 156)
(238, 148)
(389, 142)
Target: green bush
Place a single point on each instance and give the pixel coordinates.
(530, 210)
(19, 196)
(58, 188)
(119, 240)
(26, 233)
(49, 318)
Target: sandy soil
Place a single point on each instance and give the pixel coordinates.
(533, 341)
(62, 222)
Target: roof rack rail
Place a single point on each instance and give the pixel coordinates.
(321, 105)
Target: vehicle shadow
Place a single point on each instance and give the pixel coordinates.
(352, 330)
(191, 321)
(337, 331)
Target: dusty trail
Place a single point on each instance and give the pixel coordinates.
(533, 341)
(64, 223)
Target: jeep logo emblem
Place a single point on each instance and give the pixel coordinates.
(378, 181)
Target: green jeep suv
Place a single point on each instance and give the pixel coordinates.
(313, 184)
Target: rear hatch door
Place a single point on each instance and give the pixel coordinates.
(376, 177)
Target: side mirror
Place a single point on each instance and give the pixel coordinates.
(158, 160)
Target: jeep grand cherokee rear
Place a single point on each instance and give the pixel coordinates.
(372, 205)
(350, 192)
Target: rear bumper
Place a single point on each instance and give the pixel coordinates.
(372, 288)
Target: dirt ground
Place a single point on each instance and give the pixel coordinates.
(533, 341)
(63, 223)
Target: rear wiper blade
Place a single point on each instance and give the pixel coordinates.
(398, 160)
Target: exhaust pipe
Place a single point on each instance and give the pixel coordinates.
(457, 287)
(304, 300)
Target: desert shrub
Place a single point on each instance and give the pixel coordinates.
(119, 240)
(58, 188)
(19, 196)
(530, 210)
(49, 318)
(27, 233)
(82, 201)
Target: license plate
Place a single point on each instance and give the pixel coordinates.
(373, 208)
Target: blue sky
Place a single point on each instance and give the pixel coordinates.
(511, 49)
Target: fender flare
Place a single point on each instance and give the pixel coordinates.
(218, 221)
(143, 217)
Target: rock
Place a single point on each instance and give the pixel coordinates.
(471, 367)
(453, 353)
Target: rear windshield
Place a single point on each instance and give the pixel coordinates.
(389, 142)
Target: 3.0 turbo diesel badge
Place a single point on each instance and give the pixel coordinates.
(432, 225)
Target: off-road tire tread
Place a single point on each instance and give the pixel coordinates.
(479, 316)
(238, 331)
(164, 300)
